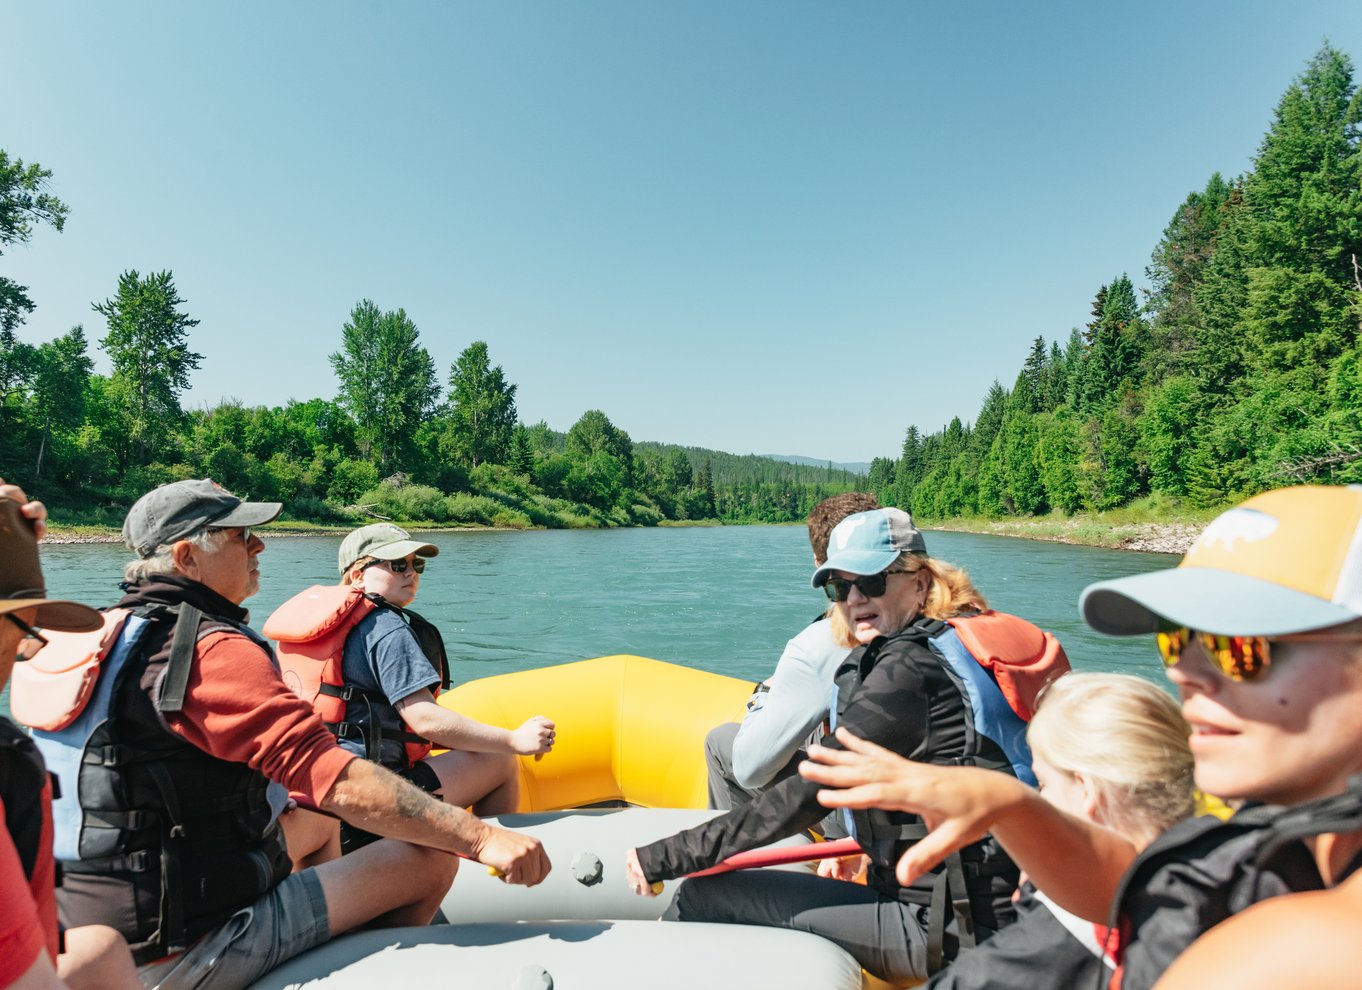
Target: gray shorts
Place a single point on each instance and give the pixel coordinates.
(286, 922)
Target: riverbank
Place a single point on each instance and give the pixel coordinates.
(1099, 530)
(1174, 536)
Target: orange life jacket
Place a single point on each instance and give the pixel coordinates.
(310, 630)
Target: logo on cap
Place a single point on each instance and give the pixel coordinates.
(1249, 525)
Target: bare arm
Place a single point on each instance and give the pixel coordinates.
(39, 976)
(370, 797)
(433, 721)
(1076, 863)
(1301, 940)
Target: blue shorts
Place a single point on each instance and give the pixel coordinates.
(286, 922)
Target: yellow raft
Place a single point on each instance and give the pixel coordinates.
(628, 769)
(630, 730)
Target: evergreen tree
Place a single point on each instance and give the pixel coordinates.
(59, 384)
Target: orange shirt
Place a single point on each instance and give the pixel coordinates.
(237, 708)
(28, 906)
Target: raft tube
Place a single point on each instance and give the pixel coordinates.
(572, 955)
(630, 730)
(587, 849)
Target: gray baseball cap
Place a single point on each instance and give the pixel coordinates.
(868, 542)
(182, 508)
(382, 541)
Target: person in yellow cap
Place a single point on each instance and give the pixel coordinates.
(1260, 631)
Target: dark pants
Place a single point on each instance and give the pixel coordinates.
(888, 938)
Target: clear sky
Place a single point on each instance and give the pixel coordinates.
(770, 227)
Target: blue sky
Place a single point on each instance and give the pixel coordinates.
(759, 227)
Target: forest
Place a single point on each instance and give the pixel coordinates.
(1236, 368)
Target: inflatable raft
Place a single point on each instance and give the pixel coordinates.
(628, 768)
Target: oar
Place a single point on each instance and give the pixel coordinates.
(779, 857)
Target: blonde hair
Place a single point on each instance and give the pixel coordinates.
(349, 576)
(950, 593)
(1128, 738)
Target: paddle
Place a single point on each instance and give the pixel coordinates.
(779, 857)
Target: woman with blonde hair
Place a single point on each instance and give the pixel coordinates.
(914, 685)
(1111, 749)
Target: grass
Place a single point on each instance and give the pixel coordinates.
(1151, 523)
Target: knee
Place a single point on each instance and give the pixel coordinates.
(693, 902)
(719, 744)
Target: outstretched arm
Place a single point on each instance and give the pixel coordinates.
(1075, 862)
(370, 797)
(431, 720)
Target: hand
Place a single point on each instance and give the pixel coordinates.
(638, 883)
(846, 868)
(534, 738)
(34, 512)
(516, 857)
(958, 804)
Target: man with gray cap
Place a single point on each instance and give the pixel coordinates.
(393, 662)
(177, 842)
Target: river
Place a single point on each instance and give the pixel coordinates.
(722, 598)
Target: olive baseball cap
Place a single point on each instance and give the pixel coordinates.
(21, 579)
(182, 508)
(868, 542)
(1283, 562)
(382, 541)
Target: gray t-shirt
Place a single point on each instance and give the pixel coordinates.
(795, 704)
(383, 657)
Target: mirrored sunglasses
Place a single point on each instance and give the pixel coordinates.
(1240, 658)
(418, 564)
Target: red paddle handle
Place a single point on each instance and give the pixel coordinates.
(778, 857)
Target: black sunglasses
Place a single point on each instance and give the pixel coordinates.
(418, 565)
(870, 585)
(28, 631)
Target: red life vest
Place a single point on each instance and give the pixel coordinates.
(310, 630)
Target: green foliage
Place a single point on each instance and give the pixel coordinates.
(481, 419)
(24, 205)
(387, 382)
(148, 343)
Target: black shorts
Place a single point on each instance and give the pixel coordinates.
(420, 774)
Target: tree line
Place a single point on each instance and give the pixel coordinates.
(1239, 370)
(397, 440)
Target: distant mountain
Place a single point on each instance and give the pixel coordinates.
(858, 467)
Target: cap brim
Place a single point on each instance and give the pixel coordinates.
(63, 616)
(400, 549)
(854, 562)
(250, 514)
(1205, 598)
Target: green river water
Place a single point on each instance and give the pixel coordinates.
(723, 599)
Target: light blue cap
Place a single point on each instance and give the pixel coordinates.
(869, 542)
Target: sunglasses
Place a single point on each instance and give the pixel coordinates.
(1240, 658)
(418, 564)
(870, 585)
(29, 633)
(245, 531)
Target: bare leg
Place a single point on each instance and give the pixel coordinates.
(487, 782)
(363, 889)
(97, 958)
(312, 838)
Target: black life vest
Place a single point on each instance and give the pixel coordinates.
(1203, 870)
(972, 887)
(167, 842)
(26, 790)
